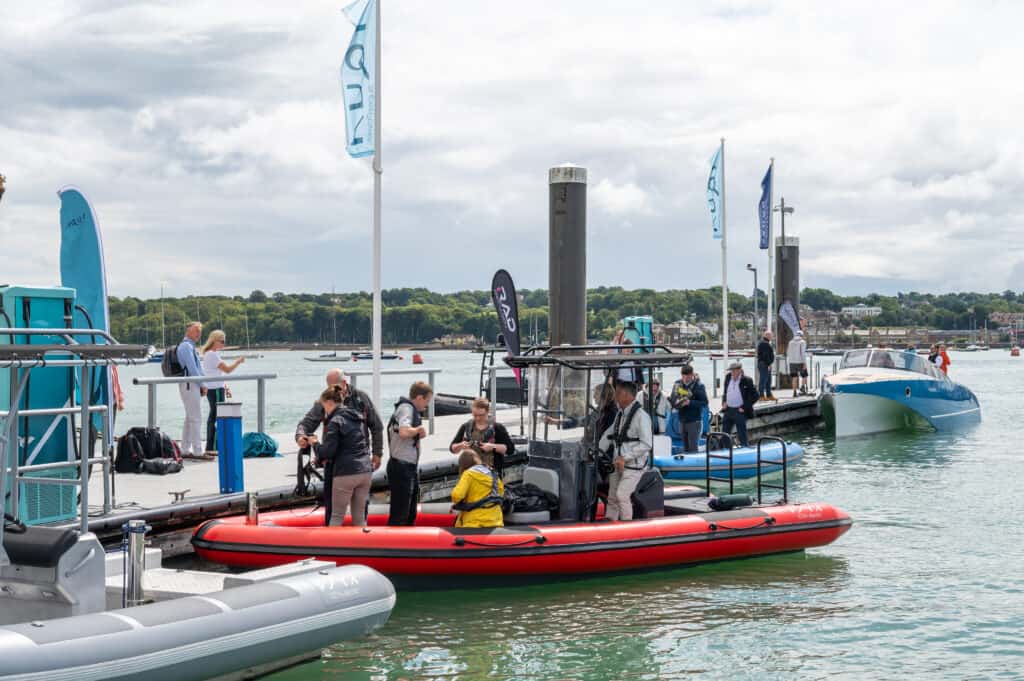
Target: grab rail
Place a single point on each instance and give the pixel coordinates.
(430, 372)
(261, 392)
(708, 478)
(785, 482)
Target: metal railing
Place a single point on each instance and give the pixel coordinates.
(429, 371)
(715, 436)
(21, 359)
(761, 461)
(261, 392)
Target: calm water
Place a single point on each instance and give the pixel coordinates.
(929, 582)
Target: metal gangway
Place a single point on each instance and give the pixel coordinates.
(59, 349)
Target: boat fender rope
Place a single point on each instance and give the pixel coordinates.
(767, 522)
(462, 541)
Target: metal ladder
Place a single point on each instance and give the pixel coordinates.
(708, 478)
(761, 461)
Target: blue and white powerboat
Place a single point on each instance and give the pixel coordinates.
(876, 390)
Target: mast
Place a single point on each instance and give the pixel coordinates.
(377, 172)
(725, 285)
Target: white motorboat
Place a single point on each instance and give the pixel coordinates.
(877, 390)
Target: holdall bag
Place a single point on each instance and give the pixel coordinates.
(141, 444)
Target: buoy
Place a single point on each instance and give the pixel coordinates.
(417, 358)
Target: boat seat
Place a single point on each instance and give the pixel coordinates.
(39, 546)
(53, 573)
(545, 479)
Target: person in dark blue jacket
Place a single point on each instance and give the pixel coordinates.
(765, 360)
(346, 447)
(689, 398)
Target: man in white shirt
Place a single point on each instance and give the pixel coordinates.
(629, 439)
(796, 358)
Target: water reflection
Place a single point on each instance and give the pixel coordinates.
(628, 627)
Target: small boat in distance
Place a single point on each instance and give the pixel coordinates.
(369, 355)
(156, 358)
(876, 390)
(327, 357)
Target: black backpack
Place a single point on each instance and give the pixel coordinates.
(142, 444)
(169, 365)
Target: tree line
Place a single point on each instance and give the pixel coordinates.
(417, 315)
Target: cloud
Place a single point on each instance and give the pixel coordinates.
(210, 139)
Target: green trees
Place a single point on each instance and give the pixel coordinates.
(416, 315)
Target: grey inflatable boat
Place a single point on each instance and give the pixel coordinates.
(201, 637)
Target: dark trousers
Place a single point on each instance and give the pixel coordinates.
(733, 416)
(691, 435)
(764, 379)
(213, 396)
(404, 484)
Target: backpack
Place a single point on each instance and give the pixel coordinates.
(169, 364)
(142, 444)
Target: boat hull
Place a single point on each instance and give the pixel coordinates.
(222, 634)
(682, 466)
(440, 555)
(873, 406)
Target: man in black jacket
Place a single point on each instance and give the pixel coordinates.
(765, 360)
(738, 402)
(305, 432)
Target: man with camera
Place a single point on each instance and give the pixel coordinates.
(628, 442)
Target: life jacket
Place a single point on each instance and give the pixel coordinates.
(417, 420)
(476, 438)
(355, 401)
(621, 437)
(492, 499)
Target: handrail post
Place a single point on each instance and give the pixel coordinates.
(430, 407)
(18, 381)
(151, 405)
(261, 411)
(84, 449)
(492, 381)
(714, 377)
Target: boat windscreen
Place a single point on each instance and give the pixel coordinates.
(902, 360)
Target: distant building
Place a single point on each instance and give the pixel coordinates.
(709, 328)
(681, 332)
(1007, 318)
(457, 340)
(861, 311)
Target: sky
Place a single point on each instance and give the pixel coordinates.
(210, 139)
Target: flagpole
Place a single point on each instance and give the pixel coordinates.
(377, 172)
(725, 286)
(770, 317)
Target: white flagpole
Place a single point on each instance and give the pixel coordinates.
(377, 172)
(725, 286)
(770, 317)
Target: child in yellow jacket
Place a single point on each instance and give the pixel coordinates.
(480, 490)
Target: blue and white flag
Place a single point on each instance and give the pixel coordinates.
(357, 71)
(715, 194)
(764, 207)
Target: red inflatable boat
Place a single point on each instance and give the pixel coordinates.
(434, 549)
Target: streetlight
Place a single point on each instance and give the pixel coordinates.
(783, 209)
(753, 329)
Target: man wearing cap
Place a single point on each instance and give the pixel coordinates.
(796, 358)
(738, 402)
(305, 432)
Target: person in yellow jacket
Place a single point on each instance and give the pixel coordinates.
(477, 496)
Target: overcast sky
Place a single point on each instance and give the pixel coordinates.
(209, 137)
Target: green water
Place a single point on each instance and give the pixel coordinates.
(929, 583)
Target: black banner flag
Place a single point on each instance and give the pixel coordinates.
(503, 293)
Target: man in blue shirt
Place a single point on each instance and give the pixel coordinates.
(191, 393)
